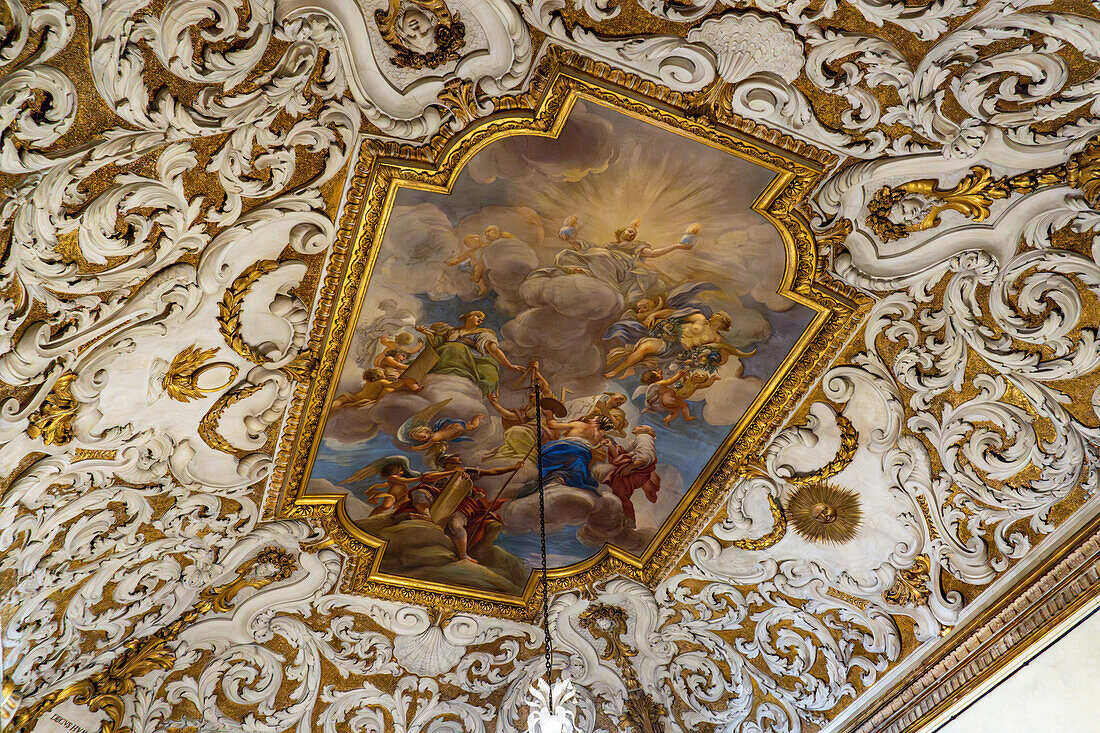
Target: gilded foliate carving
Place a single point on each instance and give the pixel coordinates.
(53, 420)
(860, 603)
(180, 382)
(268, 566)
(301, 369)
(776, 533)
(230, 315)
(609, 623)
(460, 97)
(896, 212)
(209, 424)
(9, 702)
(643, 712)
(849, 440)
(229, 309)
(910, 588)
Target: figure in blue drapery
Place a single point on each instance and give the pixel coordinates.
(565, 461)
(568, 460)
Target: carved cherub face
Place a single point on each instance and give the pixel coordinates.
(911, 209)
(416, 30)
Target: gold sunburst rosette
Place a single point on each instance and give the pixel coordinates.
(824, 513)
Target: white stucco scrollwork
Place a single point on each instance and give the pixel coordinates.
(413, 110)
(169, 195)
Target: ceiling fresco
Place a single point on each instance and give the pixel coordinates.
(656, 343)
(811, 288)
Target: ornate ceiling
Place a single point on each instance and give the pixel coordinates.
(887, 487)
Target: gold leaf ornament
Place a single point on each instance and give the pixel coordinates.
(229, 321)
(9, 702)
(975, 193)
(849, 441)
(460, 97)
(1083, 172)
(971, 197)
(910, 587)
(181, 382)
(269, 566)
(53, 420)
(608, 623)
(208, 425)
(229, 309)
(778, 531)
(448, 36)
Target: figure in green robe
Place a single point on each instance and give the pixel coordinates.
(468, 351)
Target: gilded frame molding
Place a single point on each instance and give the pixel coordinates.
(562, 79)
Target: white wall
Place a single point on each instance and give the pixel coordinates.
(1058, 691)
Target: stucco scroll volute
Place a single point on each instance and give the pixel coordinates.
(414, 101)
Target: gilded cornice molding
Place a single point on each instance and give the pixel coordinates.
(982, 649)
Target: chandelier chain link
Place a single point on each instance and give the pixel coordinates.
(542, 531)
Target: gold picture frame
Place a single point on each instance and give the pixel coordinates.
(563, 79)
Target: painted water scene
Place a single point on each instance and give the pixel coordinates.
(621, 269)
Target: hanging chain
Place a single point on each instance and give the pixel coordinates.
(542, 531)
